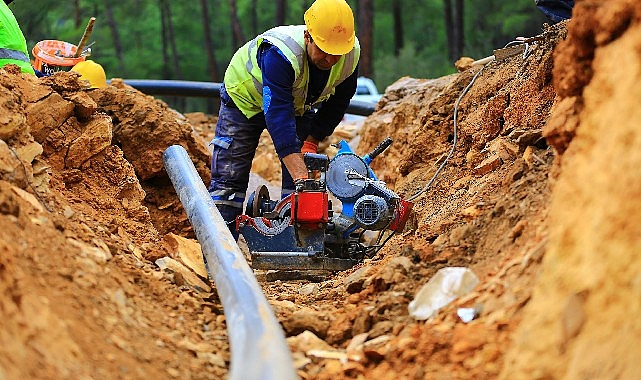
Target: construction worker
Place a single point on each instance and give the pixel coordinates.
(13, 46)
(556, 10)
(297, 82)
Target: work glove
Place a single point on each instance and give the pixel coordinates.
(309, 147)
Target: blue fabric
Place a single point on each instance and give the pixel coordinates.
(229, 214)
(234, 148)
(223, 142)
(556, 10)
(237, 137)
(278, 101)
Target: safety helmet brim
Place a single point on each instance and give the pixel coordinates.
(331, 25)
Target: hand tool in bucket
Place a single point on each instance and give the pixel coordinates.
(53, 55)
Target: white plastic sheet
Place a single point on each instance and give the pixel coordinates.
(444, 287)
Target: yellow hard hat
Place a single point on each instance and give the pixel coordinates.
(331, 25)
(92, 72)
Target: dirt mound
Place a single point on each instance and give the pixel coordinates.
(581, 321)
(79, 299)
(100, 275)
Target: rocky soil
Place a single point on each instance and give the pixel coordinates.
(101, 276)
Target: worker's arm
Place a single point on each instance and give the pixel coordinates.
(278, 102)
(333, 109)
(295, 165)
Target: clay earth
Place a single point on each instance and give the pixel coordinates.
(101, 275)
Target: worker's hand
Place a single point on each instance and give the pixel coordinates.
(309, 147)
(295, 166)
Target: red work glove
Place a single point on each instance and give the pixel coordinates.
(309, 147)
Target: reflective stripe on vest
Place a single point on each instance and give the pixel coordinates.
(244, 80)
(13, 54)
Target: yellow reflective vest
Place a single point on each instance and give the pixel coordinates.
(244, 80)
(13, 47)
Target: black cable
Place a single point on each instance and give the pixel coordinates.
(456, 106)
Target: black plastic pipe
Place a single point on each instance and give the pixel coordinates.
(212, 90)
(175, 87)
(256, 339)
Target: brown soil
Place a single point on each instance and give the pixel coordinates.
(540, 199)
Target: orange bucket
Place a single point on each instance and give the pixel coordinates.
(52, 55)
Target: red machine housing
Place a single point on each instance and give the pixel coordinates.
(310, 209)
(401, 215)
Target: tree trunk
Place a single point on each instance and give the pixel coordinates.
(175, 57)
(169, 60)
(115, 35)
(212, 66)
(76, 13)
(458, 29)
(365, 33)
(280, 12)
(454, 28)
(237, 34)
(397, 15)
(166, 74)
(254, 18)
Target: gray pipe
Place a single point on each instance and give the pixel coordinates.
(212, 90)
(256, 339)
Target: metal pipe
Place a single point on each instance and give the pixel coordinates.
(212, 90)
(256, 339)
(175, 87)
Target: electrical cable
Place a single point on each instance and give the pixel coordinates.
(429, 184)
(378, 247)
(526, 53)
(456, 106)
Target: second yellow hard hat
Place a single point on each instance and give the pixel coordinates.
(331, 25)
(92, 72)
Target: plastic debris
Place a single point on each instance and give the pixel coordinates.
(467, 314)
(444, 287)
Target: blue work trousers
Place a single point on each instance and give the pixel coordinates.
(234, 147)
(556, 10)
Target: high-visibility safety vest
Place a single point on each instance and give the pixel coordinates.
(244, 80)
(13, 46)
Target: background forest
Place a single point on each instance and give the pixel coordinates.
(194, 40)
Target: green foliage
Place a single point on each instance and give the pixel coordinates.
(411, 63)
(489, 24)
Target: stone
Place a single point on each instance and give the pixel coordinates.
(95, 138)
(189, 277)
(306, 319)
(488, 165)
(187, 251)
(47, 115)
(354, 282)
(308, 341)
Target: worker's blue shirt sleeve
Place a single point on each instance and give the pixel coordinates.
(278, 101)
(332, 110)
